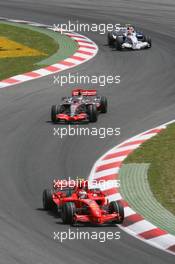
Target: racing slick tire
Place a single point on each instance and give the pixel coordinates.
(54, 112)
(110, 39)
(148, 39)
(48, 203)
(93, 115)
(116, 207)
(118, 43)
(68, 212)
(104, 104)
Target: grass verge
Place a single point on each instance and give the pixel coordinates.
(11, 66)
(160, 153)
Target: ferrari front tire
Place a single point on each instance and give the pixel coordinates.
(48, 203)
(68, 212)
(116, 207)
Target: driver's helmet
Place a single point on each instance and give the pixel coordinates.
(75, 100)
(130, 30)
(82, 194)
(79, 95)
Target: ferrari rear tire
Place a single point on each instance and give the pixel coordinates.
(93, 115)
(68, 212)
(48, 203)
(54, 112)
(104, 104)
(116, 207)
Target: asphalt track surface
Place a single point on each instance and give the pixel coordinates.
(31, 156)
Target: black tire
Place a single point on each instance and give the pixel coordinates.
(93, 114)
(110, 39)
(148, 39)
(118, 43)
(116, 207)
(48, 203)
(68, 212)
(104, 105)
(54, 112)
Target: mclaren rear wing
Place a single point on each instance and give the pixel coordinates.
(76, 92)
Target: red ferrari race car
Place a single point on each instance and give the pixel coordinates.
(80, 204)
(83, 105)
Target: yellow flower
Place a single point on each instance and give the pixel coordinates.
(12, 49)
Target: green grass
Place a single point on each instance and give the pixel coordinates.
(30, 38)
(160, 153)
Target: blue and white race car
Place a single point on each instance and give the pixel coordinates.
(127, 37)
